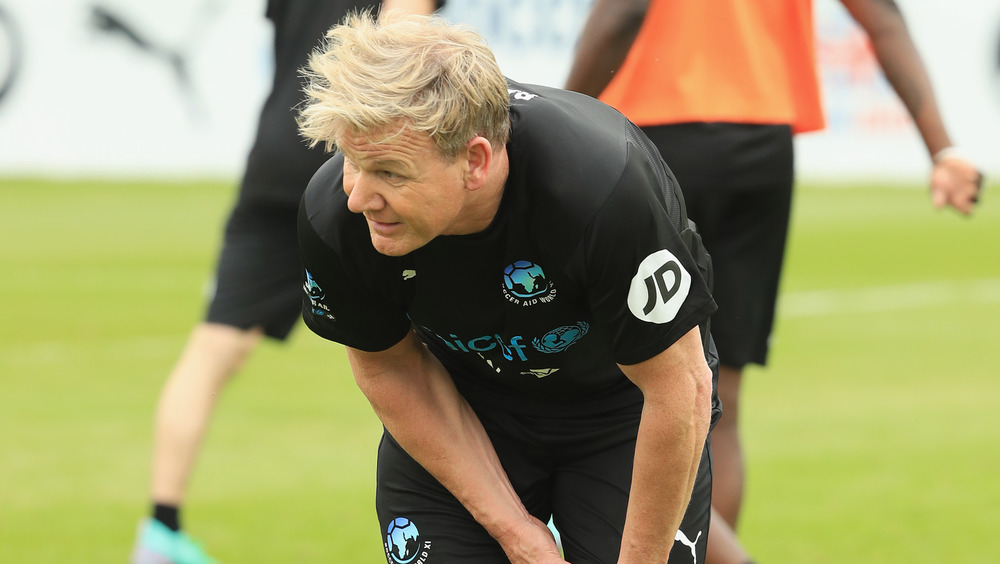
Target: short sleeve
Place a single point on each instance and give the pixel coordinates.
(643, 283)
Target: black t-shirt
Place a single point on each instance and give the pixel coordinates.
(589, 262)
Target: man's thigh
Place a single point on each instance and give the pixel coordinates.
(590, 500)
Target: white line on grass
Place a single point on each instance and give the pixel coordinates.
(888, 298)
(72, 351)
(814, 303)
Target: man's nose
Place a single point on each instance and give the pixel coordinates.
(362, 194)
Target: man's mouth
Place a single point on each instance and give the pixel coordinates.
(382, 227)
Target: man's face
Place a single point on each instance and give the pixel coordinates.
(407, 192)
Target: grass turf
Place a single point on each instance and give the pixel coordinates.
(871, 437)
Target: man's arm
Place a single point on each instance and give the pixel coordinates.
(677, 390)
(411, 6)
(604, 42)
(415, 398)
(954, 181)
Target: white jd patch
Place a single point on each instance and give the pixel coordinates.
(659, 288)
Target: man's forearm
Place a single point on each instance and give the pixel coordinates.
(416, 400)
(903, 68)
(677, 406)
(667, 454)
(419, 405)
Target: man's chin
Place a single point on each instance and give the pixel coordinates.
(391, 247)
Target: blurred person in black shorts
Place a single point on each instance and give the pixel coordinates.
(721, 87)
(522, 299)
(257, 278)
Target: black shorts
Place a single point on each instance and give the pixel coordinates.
(576, 471)
(737, 184)
(258, 276)
(259, 273)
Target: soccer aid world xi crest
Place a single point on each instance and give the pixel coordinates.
(525, 284)
(403, 544)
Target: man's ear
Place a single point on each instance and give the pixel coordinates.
(479, 153)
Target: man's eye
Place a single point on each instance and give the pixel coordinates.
(389, 175)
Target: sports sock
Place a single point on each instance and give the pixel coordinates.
(169, 515)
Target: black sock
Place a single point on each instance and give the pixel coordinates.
(169, 515)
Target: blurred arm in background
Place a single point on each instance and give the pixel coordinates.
(604, 43)
(412, 6)
(954, 181)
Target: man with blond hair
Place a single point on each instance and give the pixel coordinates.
(522, 300)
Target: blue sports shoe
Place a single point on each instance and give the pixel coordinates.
(157, 544)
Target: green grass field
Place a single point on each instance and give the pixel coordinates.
(874, 436)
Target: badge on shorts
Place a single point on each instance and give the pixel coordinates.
(403, 544)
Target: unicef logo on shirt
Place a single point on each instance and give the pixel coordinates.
(403, 544)
(525, 284)
(560, 339)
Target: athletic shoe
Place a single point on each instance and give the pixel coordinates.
(156, 544)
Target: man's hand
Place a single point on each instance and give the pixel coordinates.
(955, 182)
(532, 543)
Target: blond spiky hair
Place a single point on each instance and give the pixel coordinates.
(417, 72)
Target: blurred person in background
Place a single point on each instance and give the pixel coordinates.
(258, 274)
(721, 87)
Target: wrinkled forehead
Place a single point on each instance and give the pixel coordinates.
(398, 139)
